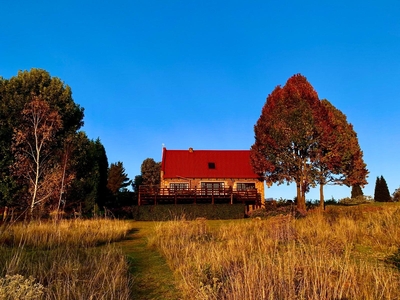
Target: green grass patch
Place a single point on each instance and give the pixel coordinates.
(152, 277)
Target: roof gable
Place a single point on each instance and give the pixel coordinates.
(207, 164)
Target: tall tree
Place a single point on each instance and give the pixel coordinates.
(286, 136)
(32, 147)
(15, 93)
(89, 188)
(338, 157)
(300, 139)
(117, 178)
(381, 193)
(151, 172)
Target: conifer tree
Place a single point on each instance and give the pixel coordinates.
(117, 178)
(381, 193)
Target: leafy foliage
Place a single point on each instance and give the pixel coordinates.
(117, 178)
(300, 139)
(396, 195)
(32, 146)
(339, 157)
(150, 172)
(285, 136)
(15, 94)
(90, 186)
(117, 184)
(52, 164)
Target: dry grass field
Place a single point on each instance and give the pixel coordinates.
(342, 253)
(64, 260)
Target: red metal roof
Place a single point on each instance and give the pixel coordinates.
(195, 164)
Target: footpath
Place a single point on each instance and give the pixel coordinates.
(152, 278)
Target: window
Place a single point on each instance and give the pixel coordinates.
(212, 188)
(179, 186)
(246, 186)
(211, 165)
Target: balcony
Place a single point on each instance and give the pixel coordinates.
(154, 195)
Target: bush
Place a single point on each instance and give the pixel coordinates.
(356, 201)
(396, 195)
(19, 287)
(188, 212)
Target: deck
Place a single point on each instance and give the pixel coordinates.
(153, 195)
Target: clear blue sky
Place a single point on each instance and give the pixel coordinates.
(197, 73)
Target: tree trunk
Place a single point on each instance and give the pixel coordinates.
(321, 197)
(301, 203)
(62, 186)
(298, 193)
(36, 183)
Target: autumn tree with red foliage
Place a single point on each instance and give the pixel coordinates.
(339, 159)
(32, 146)
(299, 139)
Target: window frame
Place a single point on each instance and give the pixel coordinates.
(244, 186)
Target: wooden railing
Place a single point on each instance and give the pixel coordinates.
(157, 195)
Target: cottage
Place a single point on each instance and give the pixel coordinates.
(206, 176)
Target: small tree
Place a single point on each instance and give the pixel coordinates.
(381, 193)
(32, 147)
(150, 172)
(396, 195)
(117, 178)
(356, 191)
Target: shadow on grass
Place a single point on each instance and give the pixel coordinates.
(394, 259)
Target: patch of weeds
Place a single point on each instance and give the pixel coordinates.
(19, 287)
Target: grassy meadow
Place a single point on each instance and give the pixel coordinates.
(71, 259)
(342, 253)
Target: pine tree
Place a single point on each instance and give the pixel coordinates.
(385, 191)
(381, 190)
(117, 178)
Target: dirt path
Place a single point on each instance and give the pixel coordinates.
(152, 278)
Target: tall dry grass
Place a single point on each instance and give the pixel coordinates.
(63, 259)
(333, 255)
